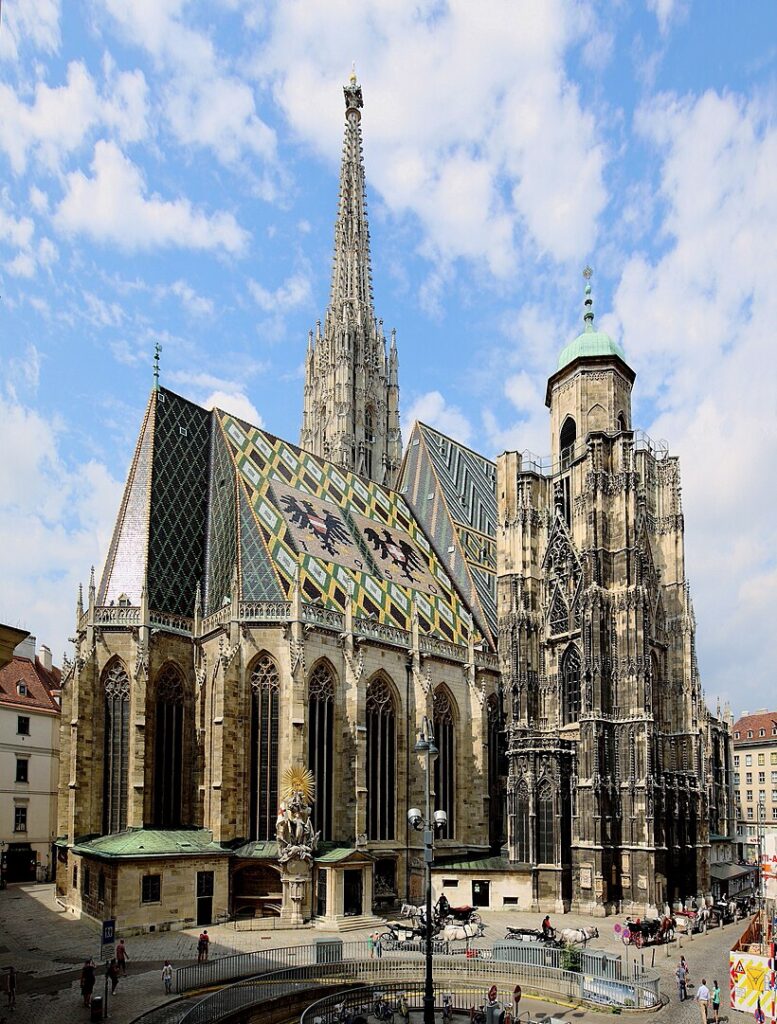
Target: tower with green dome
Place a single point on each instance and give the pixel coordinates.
(590, 390)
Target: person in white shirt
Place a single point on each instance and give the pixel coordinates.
(703, 999)
(167, 977)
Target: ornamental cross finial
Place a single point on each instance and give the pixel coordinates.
(587, 272)
(157, 350)
(353, 72)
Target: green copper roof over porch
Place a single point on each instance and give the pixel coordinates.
(144, 842)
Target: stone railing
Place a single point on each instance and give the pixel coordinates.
(317, 615)
(374, 630)
(216, 618)
(265, 611)
(171, 623)
(116, 615)
(485, 659)
(442, 648)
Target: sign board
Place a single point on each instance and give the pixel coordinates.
(109, 932)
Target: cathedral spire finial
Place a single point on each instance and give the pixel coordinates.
(588, 315)
(157, 350)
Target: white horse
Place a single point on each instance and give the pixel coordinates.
(455, 932)
(412, 911)
(573, 936)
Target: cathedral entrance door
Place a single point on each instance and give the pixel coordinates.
(204, 897)
(352, 893)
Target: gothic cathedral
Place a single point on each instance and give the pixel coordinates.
(266, 606)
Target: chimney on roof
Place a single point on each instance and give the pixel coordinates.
(26, 649)
(44, 656)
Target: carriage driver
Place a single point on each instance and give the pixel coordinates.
(546, 927)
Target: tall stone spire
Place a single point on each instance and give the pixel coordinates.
(351, 404)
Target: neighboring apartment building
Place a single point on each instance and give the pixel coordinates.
(755, 777)
(29, 762)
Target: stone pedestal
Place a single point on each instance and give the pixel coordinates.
(296, 875)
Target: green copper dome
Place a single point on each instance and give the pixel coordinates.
(590, 342)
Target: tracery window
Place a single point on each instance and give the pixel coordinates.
(570, 685)
(168, 751)
(381, 760)
(445, 763)
(369, 438)
(321, 695)
(116, 687)
(559, 615)
(546, 846)
(265, 692)
(497, 769)
(522, 841)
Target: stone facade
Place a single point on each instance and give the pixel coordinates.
(610, 742)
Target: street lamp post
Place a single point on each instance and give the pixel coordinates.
(428, 823)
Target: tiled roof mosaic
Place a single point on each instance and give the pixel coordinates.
(452, 491)
(341, 533)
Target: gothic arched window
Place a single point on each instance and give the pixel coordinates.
(168, 749)
(321, 696)
(496, 770)
(566, 442)
(265, 692)
(570, 685)
(546, 836)
(369, 438)
(445, 763)
(381, 760)
(522, 840)
(621, 421)
(116, 687)
(558, 619)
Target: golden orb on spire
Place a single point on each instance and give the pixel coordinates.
(353, 72)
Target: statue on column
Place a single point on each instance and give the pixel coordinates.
(293, 827)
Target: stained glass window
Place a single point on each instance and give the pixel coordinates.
(445, 764)
(265, 687)
(321, 693)
(168, 753)
(381, 760)
(116, 686)
(546, 847)
(570, 685)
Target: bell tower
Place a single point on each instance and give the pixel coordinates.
(351, 400)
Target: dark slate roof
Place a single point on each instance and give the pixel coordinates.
(452, 491)
(477, 862)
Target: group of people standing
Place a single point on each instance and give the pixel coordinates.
(707, 999)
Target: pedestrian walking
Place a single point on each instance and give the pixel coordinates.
(681, 977)
(703, 999)
(113, 974)
(202, 945)
(122, 957)
(167, 977)
(687, 969)
(87, 980)
(11, 987)
(716, 1002)
(371, 945)
(378, 946)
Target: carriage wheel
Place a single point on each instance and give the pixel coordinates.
(626, 937)
(639, 940)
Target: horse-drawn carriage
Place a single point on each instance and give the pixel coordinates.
(651, 932)
(534, 935)
(443, 914)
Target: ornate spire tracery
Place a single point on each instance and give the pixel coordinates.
(351, 396)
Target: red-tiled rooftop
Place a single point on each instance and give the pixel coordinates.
(38, 680)
(766, 720)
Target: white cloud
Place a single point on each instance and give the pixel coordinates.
(205, 102)
(58, 120)
(112, 206)
(18, 233)
(667, 12)
(193, 303)
(55, 520)
(32, 24)
(432, 408)
(235, 403)
(293, 293)
(698, 324)
(481, 136)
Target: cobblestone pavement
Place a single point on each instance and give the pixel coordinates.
(47, 945)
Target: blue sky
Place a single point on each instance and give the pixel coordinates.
(169, 173)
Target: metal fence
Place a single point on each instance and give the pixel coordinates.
(467, 975)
